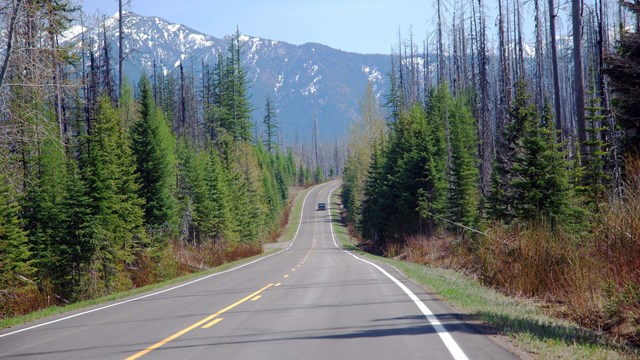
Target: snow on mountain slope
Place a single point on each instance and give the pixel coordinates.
(301, 79)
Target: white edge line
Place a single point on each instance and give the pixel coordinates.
(295, 236)
(165, 290)
(137, 298)
(446, 338)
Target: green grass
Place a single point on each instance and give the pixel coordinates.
(294, 217)
(520, 319)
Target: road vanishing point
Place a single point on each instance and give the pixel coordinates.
(311, 300)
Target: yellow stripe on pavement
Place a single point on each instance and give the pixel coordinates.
(215, 321)
(198, 324)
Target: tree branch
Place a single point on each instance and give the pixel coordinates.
(12, 25)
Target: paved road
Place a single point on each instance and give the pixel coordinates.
(310, 301)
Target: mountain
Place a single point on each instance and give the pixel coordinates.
(300, 79)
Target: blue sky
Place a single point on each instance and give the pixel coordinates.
(363, 26)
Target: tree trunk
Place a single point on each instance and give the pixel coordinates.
(12, 26)
(554, 64)
(120, 52)
(576, 13)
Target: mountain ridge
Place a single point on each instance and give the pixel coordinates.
(302, 80)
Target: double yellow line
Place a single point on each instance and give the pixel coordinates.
(209, 321)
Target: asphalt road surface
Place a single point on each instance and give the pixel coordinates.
(311, 300)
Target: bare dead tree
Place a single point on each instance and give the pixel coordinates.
(505, 70)
(539, 73)
(9, 47)
(554, 64)
(576, 14)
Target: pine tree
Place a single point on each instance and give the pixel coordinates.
(541, 183)
(15, 255)
(117, 212)
(464, 195)
(218, 193)
(530, 179)
(593, 178)
(77, 246)
(270, 126)
(318, 177)
(434, 196)
(235, 107)
(43, 208)
(376, 203)
(153, 147)
(500, 202)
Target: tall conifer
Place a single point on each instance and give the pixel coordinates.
(153, 146)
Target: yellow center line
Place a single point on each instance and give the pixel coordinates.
(215, 321)
(286, 276)
(199, 323)
(278, 284)
(256, 298)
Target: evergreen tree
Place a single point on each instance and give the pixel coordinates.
(270, 126)
(318, 177)
(593, 178)
(502, 197)
(541, 183)
(464, 195)
(15, 256)
(433, 196)
(218, 194)
(78, 245)
(43, 208)
(530, 178)
(376, 204)
(153, 147)
(363, 133)
(235, 106)
(117, 212)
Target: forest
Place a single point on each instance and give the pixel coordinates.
(515, 162)
(108, 184)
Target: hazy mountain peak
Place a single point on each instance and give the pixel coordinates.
(301, 79)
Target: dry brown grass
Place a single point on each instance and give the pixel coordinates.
(594, 281)
(617, 248)
(23, 300)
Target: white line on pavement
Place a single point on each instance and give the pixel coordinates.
(161, 291)
(448, 340)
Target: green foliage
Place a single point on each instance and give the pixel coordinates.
(363, 134)
(117, 211)
(96, 190)
(530, 179)
(376, 197)
(42, 206)
(78, 245)
(153, 146)
(270, 126)
(501, 199)
(204, 195)
(439, 113)
(541, 183)
(591, 177)
(318, 176)
(463, 193)
(15, 256)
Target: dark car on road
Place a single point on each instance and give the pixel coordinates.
(322, 206)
